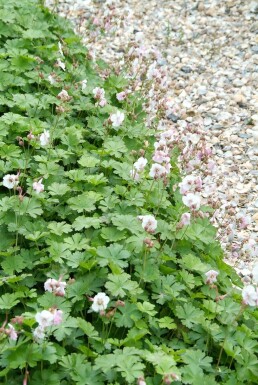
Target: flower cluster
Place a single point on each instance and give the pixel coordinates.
(46, 319)
(55, 287)
(99, 95)
(149, 223)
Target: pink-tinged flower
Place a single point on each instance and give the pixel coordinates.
(244, 220)
(44, 318)
(39, 333)
(134, 174)
(211, 276)
(117, 118)
(185, 219)
(60, 64)
(98, 93)
(255, 273)
(251, 247)
(38, 186)
(11, 332)
(84, 84)
(51, 79)
(193, 201)
(190, 183)
(10, 181)
(211, 166)
(121, 96)
(161, 145)
(64, 96)
(54, 286)
(168, 136)
(161, 157)
(140, 164)
(153, 72)
(149, 223)
(44, 138)
(100, 302)
(141, 381)
(158, 171)
(58, 317)
(249, 295)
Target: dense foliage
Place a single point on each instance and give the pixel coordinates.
(91, 294)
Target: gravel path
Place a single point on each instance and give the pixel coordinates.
(210, 54)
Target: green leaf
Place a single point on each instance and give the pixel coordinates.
(147, 308)
(167, 323)
(84, 202)
(197, 358)
(8, 301)
(114, 253)
(115, 146)
(189, 314)
(118, 285)
(88, 329)
(83, 222)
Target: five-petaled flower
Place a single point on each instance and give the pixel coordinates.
(55, 287)
(250, 295)
(10, 181)
(38, 186)
(149, 223)
(117, 118)
(44, 138)
(211, 276)
(100, 302)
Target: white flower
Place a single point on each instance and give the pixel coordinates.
(140, 164)
(157, 171)
(160, 157)
(84, 84)
(211, 276)
(11, 332)
(10, 181)
(149, 223)
(44, 138)
(64, 96)
(121, 96)
(250, 296)
(38, 186)
(54, 286)
(100, 302)
(255, 273)
(60, 64)
(117, 118)
(193, 201)
(190, 183)
(39, 333)
(185, 219)
(99, 93)
(44, 318)
(51, 79)
(134, 175)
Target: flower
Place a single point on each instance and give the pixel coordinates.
(64, 96)
(56, 287)
(149, 223)
(58, 317)
(141, 381)
(121, 96)
(190, 183)
(60, 64)
(39, 333)
(38, 186)
(11, 332)
(100, 302)
(134, 175)
(255, 273)
(193, 201)
(44, 318)
(10, 181)
(44, 138)
(99, 94)
(60, 49)
(51, 79)
(117, 118)
(250, 295)
(140, 164)
(211, 276)
(158, 171)
(185, 219)
(84, 84)
(160, 157)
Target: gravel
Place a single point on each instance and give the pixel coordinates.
(210, 53)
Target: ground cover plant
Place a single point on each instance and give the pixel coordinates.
(110, 269)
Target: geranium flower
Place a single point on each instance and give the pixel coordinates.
(193, 201)
(211, 276)
(185, 219)
(117, 118)
(84, 84)
(64, 96)
(44, 138)
(54, 286)
(158, 171)
(121, 96)
(44, 318)
(100, 302)
(58, 317)
(38, 186)
(60, 64)
(11, 332)
(39, 333)
(149, 223)
(10, 181)
(140, 164)
(249, 295)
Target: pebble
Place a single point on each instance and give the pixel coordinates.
(214, 78)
